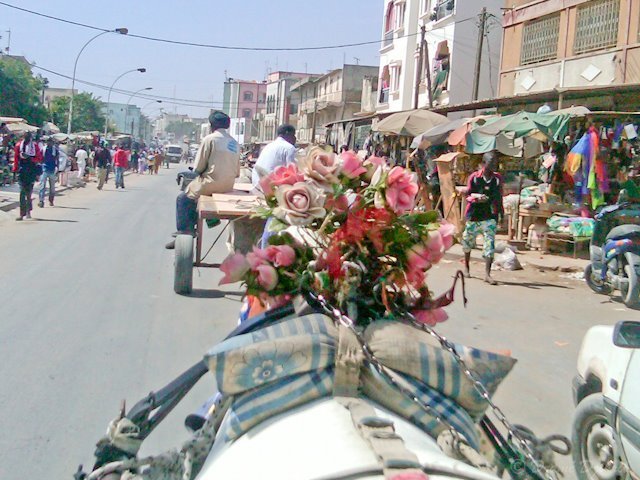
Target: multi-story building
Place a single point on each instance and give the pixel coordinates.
(51, 93)
(242, 101)
(449, 53)
(280, 104)
(334, 96)
(578, 49)
(124, 118)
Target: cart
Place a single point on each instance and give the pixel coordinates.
(224, 206)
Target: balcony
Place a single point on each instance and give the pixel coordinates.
(387, 41)
(443, 9)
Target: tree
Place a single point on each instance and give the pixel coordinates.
(87, 112)
(20, 92)
(180, 129)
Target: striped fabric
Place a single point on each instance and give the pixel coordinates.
(291, 363)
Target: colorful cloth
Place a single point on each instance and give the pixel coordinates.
(488, 230)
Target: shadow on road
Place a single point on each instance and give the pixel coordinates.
(72, 208)
(51, 220)
(532, 285)
(204, 293)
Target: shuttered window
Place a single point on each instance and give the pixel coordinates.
(597, 26)
(540, 40)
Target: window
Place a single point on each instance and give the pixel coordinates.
(262, 98)
(395, 77)
(399, 14)
(384, 85)
(540, 40)
(596, 26)
(248, 96)
(443, 8)
(389, 18)
(426, 5)
(246, 113)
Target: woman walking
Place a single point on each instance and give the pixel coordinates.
(26, 164)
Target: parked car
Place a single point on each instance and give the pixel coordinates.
(606, 423)
(173, 153)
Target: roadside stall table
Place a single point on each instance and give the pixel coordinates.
(224, 206)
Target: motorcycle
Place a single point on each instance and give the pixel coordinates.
(615, 252)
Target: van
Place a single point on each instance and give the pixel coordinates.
(173, 153)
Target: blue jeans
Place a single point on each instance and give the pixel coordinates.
(186, 214)
(119, 177)
(51, 176)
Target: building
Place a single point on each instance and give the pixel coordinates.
(325, 99)
(242, 100)
(50, 94)
(584, 50)
(280, 104)
(448, 55)
(125, 118)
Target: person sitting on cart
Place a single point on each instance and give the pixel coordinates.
(217, 166)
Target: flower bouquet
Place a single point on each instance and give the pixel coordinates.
(347, 230)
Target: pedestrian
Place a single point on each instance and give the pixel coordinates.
(26, 164)
(81, 160)
(157, 161)
(142, 163)
(50, 167)
(484, 212)
(151, 160)
(63, 166)
(135, 156)
(103, 159)
(121, 163)
(280, 152)
(217, 166)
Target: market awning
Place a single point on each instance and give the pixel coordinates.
(12, 120)
(409, 123)
(22, 127)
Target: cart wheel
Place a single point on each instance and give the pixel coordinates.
(183, 265)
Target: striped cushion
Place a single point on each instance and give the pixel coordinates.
(285, 365)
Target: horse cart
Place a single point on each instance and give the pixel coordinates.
(231, 206)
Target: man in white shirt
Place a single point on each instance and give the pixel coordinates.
(280, 152)
(81, 158)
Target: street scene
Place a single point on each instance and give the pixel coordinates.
(404, 246)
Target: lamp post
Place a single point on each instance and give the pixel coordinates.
(152, 101)
(126, 111)
(106, 122)
(121, 31)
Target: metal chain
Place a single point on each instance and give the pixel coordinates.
(514, 432)
(448, 346)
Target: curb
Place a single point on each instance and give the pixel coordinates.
(7, 207)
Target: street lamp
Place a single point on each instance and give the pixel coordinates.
(152, 101)
(106, 122)
(126, 111)
(121, 31)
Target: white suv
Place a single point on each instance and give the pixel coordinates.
(606, 423)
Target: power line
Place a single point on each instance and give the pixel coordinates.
(202, 45)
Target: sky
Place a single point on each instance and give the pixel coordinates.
(188, 72)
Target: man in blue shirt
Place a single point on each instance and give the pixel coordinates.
(49, 172)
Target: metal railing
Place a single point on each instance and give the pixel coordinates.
(388, 39)
(597, 26)
(540, 40)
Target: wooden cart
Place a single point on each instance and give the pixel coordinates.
(224, 206)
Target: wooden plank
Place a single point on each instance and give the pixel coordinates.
(450, 201)
(227, 205)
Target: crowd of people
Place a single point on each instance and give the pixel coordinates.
(31, 159)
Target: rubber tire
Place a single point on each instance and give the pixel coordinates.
(183, 265)
(603, 289)
(588, 412)
(631, 297)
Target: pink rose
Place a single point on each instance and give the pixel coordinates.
(281, 255)
(410, 476)
(282, 175)
(401, 190)
(435, 246)
(419, 258)
(447, 230)
(299, 204)
(375, 161)
(257, 257)
(352, 165)
(267, 277)
(430, 317)
(321, 168)
(234, 268)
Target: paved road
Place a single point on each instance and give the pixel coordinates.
(89, 317)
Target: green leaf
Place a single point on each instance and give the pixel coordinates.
(277, 225)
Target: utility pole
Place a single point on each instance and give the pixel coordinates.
(313, 125)
(416, 90)
(476, 75)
